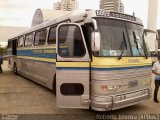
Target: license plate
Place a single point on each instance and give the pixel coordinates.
(133, 83)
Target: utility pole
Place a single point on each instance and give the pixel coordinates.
(152, 14)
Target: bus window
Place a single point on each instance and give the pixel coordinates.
(20, 41)
(9, 44)
(63, 34)
(70, 42)
(14, 47)
(40, 37)
(52, 36)
(87, 30)
(29, 39)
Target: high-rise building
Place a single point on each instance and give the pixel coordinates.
(57, 5)
(66, 5)
(112, 5)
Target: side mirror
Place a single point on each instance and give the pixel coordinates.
(96, 41)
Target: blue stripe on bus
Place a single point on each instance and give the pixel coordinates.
(120, 68)
(30, 53)
(102, 69)
(72, 68)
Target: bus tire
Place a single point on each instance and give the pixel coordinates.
(54, 85)
(15, 69)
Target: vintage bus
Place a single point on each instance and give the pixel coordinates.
(92, 59)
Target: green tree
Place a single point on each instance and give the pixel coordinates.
(3, 50)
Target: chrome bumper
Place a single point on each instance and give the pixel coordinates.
(106, 103)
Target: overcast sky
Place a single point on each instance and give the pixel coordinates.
(20, 12)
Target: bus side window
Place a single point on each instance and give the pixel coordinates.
(29, 39)
(52, 36)
(20, 41)
(9, 44)
(87, 30)
(40, 37)
(79, 49)
(14, 47)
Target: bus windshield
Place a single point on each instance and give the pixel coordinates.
(120, 38)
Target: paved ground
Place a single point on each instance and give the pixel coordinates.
(19, 95)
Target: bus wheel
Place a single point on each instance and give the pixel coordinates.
(54, 85)
(15, 69)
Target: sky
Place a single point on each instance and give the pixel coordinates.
(20, 12)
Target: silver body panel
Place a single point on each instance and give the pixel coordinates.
(40, 72)
(106, 103)
(125, 96)
(73, 76)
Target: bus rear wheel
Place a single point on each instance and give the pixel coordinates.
(15, 69)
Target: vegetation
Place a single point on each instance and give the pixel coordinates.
(3, 50)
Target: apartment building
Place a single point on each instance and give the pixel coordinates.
(112, 5)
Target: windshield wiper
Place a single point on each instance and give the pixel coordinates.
(145, 47)
(123, 45)
(137, 42)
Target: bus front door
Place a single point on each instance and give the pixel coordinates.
(72, 68)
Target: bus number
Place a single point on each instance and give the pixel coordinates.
(102, 13)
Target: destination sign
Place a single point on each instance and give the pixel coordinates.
(104, 13)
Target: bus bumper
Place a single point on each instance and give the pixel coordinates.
(106, 103)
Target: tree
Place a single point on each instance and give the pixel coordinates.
(3, 50)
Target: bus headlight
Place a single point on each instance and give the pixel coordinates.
(147, 82)
(110, 87)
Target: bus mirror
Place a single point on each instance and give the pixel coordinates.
(96, 41)
(95, 24)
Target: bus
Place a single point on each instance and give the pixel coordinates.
(91, 59)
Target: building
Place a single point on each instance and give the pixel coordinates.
(57, 5)
(66, 5)
(112, 5)
(43, 15)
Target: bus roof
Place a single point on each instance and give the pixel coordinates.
(81, 15)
